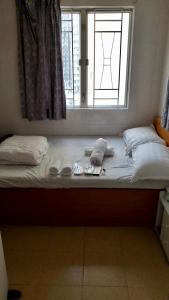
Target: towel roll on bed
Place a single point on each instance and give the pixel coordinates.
(55, 168)
(98, 152)
(108, 153)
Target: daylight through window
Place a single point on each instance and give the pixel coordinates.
(100, 77)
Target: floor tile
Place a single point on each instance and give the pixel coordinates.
(139, 275)
(23, 267)
(138, 240)
(67, 239)
(141, 245)
(8, 239)
(148, 294)
(102, 239)
(104, 269)
(43, 238)
(144, 260)
(151, 260)
(104, 258)
(105, 293)
(62, 268)
(57, 293)
(27, 238)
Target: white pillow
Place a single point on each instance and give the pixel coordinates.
(25, 150)
(140, 135)
(151, 161)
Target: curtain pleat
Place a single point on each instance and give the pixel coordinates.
(165, 113)
(40, 59)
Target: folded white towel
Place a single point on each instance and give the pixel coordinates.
(108, 153)
(66, 169)
(55, 168)
(98, 152)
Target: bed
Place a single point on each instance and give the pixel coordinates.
(29, 196)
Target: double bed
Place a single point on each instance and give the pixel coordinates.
(28, 195)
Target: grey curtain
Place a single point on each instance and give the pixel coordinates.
(40, 59)
(165, 113)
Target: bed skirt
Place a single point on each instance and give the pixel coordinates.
(78, 207)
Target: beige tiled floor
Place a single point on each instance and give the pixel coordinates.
(59, 263)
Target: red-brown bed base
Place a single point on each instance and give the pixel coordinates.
(76, 207)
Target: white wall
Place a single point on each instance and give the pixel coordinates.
(165, 76)
(150, 30)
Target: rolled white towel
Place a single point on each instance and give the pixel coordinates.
(55, 168)
(98, 152)
(66, 169)
(108, 153)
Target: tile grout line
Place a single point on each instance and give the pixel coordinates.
(128, 293)
(83, 276)
(123, 260)
(82, 292)
(84, 238)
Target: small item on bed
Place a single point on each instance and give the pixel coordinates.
(88, 169)
(103, 171)
(78, 169)
(66, 169)
(92, 170)
(54, 170)
(98, 152)
(108, 153)
(97, 171)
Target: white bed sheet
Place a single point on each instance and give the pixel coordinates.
(71, 149)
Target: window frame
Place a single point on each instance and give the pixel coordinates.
(84, 53)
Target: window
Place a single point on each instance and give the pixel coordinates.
(96, 57)
(71, 57)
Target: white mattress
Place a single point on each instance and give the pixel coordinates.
(71, 149)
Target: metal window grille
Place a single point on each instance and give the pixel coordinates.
(71, 56)
(96, 57)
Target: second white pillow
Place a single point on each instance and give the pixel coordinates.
(140, 135)
(151, 161)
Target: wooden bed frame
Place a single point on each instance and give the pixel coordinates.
(88, 207)
(79, 207)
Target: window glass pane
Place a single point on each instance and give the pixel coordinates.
(66, 16)
(67, 59)
(71, 56)
(91, 66)
(108, 16)
(108, 57)
(105, 102)
(106, 94)
(107, 26)
(124, 58)
(107, 60)
(66, 26)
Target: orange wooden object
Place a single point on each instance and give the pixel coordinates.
(162, 132)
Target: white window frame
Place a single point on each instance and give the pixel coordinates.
(84, 60)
